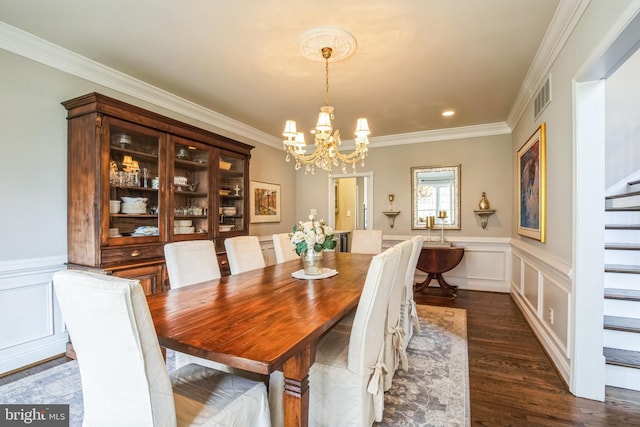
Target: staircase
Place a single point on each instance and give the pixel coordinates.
(621, 337)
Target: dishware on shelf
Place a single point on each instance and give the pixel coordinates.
(229, 211)
(225, 165)
(155, 183)
(182, 154)
(114, 206)
(224, 228)
(183, 230)
(180, 180)
(145, 177)
(145, 231)
(182, 223)
(114, 232)
(121, 139)
(133, 205)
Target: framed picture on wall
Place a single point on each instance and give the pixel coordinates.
(264, 202)
(532, 185)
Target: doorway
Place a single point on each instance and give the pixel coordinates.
(350, 201)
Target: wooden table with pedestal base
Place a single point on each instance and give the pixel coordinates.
(437, 260)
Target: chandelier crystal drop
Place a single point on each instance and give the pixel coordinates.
(326, 154)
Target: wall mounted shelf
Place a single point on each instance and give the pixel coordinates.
(484, 215)
(392, 216)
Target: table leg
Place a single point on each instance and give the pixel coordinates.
(296, 388)
(424, 285)
(450, 290)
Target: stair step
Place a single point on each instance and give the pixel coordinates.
(626, 324)
(637, 181)
(626, 358)
(622, 209)
(623, 195)
(622, 294)
(621, 227)
(621, 268)
(623, 246)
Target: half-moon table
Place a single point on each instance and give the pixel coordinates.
(437, 260)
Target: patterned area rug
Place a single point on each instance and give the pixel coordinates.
(435, 389)
(434, 392)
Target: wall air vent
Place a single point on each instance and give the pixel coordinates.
(543, 98)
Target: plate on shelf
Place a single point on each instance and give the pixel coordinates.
(226, 227)
(225, 192)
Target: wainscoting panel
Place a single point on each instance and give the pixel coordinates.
(34, 329)
(530, 285)
(541, 286)
(485, 265)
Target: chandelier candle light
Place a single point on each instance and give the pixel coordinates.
(326, 155)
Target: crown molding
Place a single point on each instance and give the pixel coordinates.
(436, 135)
(562, 25)
(37, 49)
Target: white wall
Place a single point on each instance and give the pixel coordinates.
(544, 275)
(486, 166)
(622, 150)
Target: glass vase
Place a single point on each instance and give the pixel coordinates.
(312, 262)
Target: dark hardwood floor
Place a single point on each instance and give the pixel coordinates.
(513, 382)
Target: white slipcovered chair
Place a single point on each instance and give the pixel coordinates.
(366, 241)
(346, 380)
(124, 377)
(282, 248)
(408, 314)
(191, 262)
(394, 340)
(244, 253)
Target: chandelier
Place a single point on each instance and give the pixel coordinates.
(326, 154)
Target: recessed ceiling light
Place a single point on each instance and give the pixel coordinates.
(448, 113)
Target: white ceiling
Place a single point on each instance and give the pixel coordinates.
(242, 59)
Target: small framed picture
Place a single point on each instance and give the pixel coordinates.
(264, 202)
(532, 185)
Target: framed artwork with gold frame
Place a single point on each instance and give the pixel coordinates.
(264, 202)
(532, 186)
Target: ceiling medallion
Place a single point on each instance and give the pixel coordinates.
(341, 43)
(323, 44)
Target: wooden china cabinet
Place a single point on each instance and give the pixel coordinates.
(138, 180)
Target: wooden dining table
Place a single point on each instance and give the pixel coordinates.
(262, 320)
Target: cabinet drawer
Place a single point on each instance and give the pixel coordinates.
(131, 253)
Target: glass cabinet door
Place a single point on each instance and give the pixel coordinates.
(134, 195)
(232, 194)
(189, 194)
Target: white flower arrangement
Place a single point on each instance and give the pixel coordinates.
(312, 234)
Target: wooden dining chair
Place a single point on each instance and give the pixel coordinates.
(191, 262)
(124, 377)
(282, 247)
(366, 241)
(394, 340)
(244, 253)
(408, 313)
(346, 380)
